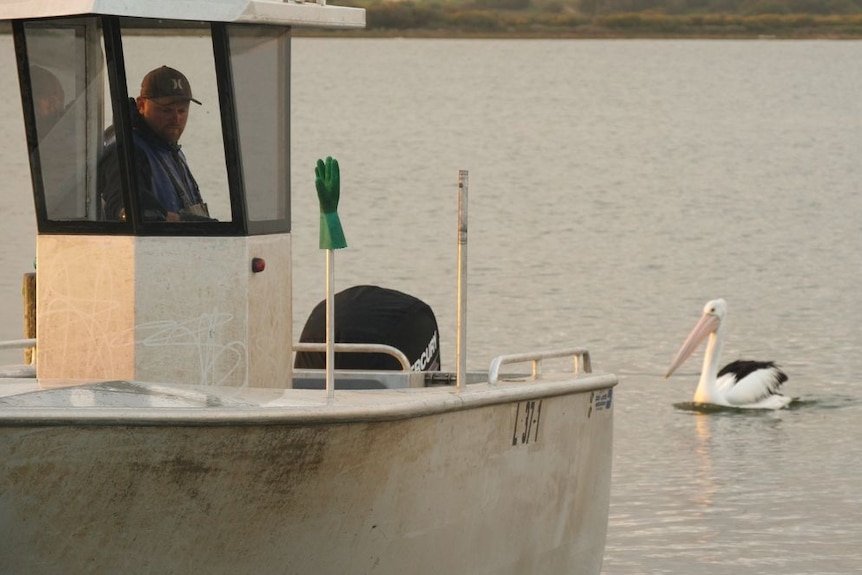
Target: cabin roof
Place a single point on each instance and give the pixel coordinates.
(275, 12)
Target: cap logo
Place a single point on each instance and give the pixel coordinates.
(166, 82)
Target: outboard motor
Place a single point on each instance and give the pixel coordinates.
(372, 314)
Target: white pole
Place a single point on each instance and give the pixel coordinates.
(461, 344)
(330, 323)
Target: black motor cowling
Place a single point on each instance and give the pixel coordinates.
(372, 314)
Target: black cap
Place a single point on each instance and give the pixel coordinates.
(165, 82)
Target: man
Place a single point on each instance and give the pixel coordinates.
(167, 189)
(48, 98)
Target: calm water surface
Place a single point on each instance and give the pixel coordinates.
(615, 187)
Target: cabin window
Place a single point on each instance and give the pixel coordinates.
(66, 73)
(202, 182)
(82, 93)
(260, 64)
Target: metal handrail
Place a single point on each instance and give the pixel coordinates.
(18, 343)
(358, 348)
(580, 354)
(339, 347)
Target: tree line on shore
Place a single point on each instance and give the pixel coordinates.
(783, 18)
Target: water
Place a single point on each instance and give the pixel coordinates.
(615, 187)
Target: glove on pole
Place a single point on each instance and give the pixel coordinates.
(327, 180)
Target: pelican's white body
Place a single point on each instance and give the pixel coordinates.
(757, 390)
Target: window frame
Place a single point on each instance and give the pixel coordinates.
(111, 35)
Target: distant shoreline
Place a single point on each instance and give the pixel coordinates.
(564, 35)
(580, 33)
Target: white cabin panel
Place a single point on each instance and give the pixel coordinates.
(85, 307)
(191, 313)
(165, 310)
(270, 312)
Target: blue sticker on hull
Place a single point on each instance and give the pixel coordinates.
(603, 399)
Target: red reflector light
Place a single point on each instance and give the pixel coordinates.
(257, 265)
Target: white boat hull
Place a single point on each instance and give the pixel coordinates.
(499, 481)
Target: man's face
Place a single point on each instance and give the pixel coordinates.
(166, 117)
(49, 105)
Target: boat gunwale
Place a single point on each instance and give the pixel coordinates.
(364, 406)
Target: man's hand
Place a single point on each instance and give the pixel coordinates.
(327, 180)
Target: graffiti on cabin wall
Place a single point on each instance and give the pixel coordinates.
(78, 330)
(196, 341)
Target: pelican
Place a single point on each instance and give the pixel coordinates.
(742, 383)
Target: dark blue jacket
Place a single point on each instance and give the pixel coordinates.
(165, 183)
(170, 179)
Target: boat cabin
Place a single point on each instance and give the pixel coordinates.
(126, 288)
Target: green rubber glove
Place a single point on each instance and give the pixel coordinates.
(327, 181)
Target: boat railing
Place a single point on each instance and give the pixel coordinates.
(18, 343)
(27, 370)
(307, 347)
(339, 347)
(580, 355)
(357, 348)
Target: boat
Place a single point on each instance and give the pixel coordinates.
(161, 425)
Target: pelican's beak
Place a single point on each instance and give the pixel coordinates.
(708, 324)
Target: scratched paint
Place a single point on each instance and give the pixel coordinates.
(217, 363)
